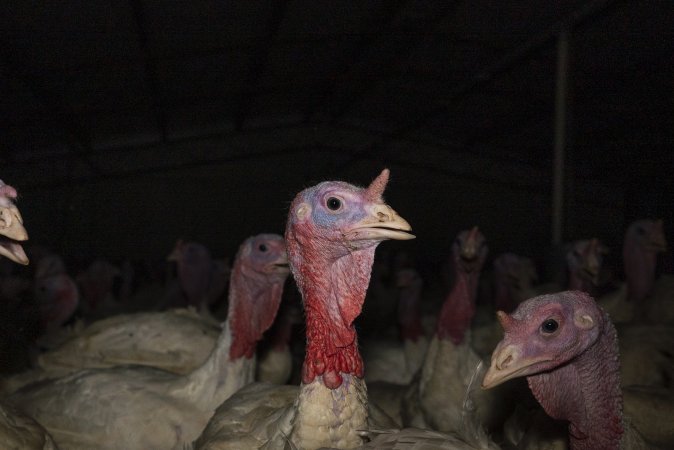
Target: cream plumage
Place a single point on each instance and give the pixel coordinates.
(136, 407)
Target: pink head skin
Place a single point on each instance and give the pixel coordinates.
(513, 276)
(567, 348)
(195, 267)
(469, 253)
(12, 231)
(332, 231)
(57, 297)
(644, 239)
(584, 259)
(97, 282)
(255, 289)
(409, 284)
(49, 266)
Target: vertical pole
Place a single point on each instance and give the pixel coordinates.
(561, 87)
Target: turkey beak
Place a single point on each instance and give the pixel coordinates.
(507, 363)
(592, 269)
(13, 251)
(281, 265)
(469, 251)
(381, 223)
(174, 255)
(11, 226)
(659, 245)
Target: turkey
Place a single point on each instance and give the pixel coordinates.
(644, 240)
(202, 279)
(584, 260)
(57, 299)
(275, 363)
(177, 340)
(435, 398)
(332, 232)
(12, 231)
(135, 407)
(567, 348)
(514, 277)
(17, 431)
(645, 348)
(96, 284)
(393, 361)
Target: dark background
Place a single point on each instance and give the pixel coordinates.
(128, 124)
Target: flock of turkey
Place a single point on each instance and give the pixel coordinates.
(186, 369)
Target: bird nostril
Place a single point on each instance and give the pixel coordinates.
(383, 217)
(505, 363)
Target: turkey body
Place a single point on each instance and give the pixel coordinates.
(20, 432)
(17, 430)
(177, 341)
(130, 407)
(134, 407)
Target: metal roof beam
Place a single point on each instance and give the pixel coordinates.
(510, 59)
(503, 64)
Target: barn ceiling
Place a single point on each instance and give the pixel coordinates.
(101, 90)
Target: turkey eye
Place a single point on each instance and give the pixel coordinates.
(334, 203)
(263, 248)
(549, 326)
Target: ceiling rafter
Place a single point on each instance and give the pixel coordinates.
(487, 75)
(259, 58)
(505, 63)
(149, 67)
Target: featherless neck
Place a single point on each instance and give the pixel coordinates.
(594, 407)
(640, 265)
(409, 314)
(333, 293)
(253, 302)
(459, 308)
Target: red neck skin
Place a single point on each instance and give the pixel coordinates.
(639, 270)
(409, 313)
(194, 281)
(459, 308)
(253, 302)
(63, 305)
(586, 392)
(333, 292)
